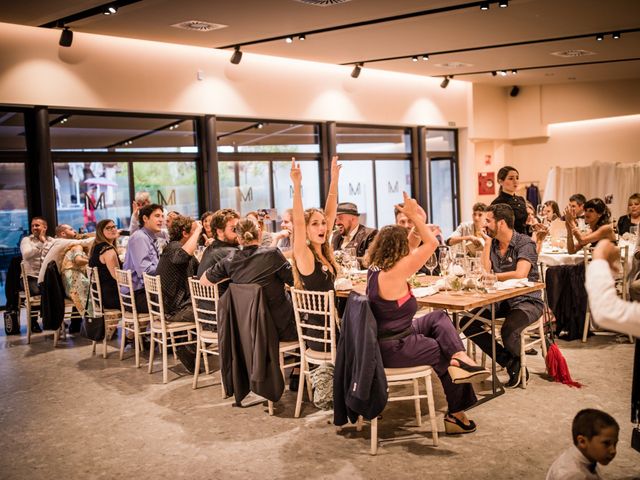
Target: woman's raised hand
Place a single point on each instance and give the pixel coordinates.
(568, 216)
(296, 173)
(410, 208)
(335, 167)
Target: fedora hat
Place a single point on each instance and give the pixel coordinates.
(349, 208)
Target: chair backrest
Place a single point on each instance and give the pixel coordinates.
(307, 304)
(25, 282)
(587, 251)
(153, 291)
(95, 292)
(204, 299)
(125, 292)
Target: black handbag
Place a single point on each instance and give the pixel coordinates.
(12, 322)
(92, 327)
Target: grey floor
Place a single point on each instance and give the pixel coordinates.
(67, 414)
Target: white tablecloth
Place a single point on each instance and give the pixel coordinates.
(551, 259)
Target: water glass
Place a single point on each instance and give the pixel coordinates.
(489, 280)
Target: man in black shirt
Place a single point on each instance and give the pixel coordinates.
(177, 264)
(223, 224)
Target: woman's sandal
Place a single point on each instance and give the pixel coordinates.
(465, 373)
(454, 426)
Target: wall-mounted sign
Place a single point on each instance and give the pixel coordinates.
(486, 183)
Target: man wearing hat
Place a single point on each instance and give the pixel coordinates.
(350, 233)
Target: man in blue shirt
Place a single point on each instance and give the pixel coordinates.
(510, 255)
(142, 251)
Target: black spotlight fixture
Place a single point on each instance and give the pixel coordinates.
(425, 57)
(356, 70)
(515, 90)
(503, 3)
(599, 37)
(484, 6)
(302, 37)
(494, 73)
(414, 58)
(514, 72)
(110, 10)
(445, 82)
(615, 35)
(237, 56)
(289, 39)
(66, 37)
(260, 125)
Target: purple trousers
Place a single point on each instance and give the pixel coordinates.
(433, 342)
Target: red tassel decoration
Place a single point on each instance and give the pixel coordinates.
(557, 367)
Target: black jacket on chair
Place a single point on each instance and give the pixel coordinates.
(248, 340)
(13, 284)
(52, 291)
(359, 382)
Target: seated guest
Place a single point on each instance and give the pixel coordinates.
(470, 232)
(74, 277)
(535, 229)
(550, 212)
(53, 251)
(282, 239)
(598, 219)
(350, 233)
(510, 255)
(104, 257)
(265, 266)
(427, 340)
(142, 251)
(403, 221)
(32, 248)
(208, 235)
(632, 217)
(175, 266)
(576, 205)
(142, 199)
(223, 224)
(595, 436)
(258, 216)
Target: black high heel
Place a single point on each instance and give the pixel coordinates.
(454, 426)
(465, 373)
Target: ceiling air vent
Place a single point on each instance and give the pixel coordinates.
(323, 3)
(199, 26)
(573, 53)
(454, 65)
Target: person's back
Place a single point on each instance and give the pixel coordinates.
(595, 436)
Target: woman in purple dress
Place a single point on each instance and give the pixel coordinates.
(427, 340)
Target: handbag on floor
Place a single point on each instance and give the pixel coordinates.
(92, 327)
(12, 322)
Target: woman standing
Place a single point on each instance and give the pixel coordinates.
(597, 217)
(428, 340)
(633, 216)
(104, 257)
(508, 178)
(314, 267)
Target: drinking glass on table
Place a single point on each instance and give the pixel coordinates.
(474, 272)
(489, 280)
(432, 263)
(444, 260)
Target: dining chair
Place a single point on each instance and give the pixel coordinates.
(110, 316)
(131, 320)
(31, 302)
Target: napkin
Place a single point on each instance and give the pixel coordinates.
(343, 283)
(513, 283)
(425, 291)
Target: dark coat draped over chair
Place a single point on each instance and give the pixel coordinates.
(567, 298)
(248, 339)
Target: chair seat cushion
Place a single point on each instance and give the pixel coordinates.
(406, 372)
(318, 356)
(288, 346)
(208, 336)
(173, 326)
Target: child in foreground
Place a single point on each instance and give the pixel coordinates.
(595, 436)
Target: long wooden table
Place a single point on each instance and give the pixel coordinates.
(462, 304)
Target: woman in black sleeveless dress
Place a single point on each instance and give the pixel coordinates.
(104, 256)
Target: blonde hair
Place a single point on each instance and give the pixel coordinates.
(325, 249)
(247, 230)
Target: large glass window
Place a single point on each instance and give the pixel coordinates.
(14, 221)
(392, 178)
(266, 137)
(372, 140)
(356, 185)
(87, 192)
(111, 133)
(283, 190)
(171, 184)
(442, 175)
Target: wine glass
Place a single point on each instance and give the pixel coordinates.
(474, 272)
(432, 263)
(444, 260)
(540, 212)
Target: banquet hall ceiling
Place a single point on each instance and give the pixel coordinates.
(545, 41)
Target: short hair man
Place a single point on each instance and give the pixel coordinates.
(576, 204)
(32, 248)
(510, 255)
(143, 254)
(469, 234)
(282, 239)
(595, 436)
(351, 234)
(142, 199)
(223, 226)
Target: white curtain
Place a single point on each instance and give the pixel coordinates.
(612, 182)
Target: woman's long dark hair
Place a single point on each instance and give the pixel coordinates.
(504, 171)
(601, 208)
(554, 207)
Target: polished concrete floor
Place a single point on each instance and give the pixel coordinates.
(67, 414)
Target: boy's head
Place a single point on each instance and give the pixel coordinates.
(595, 433)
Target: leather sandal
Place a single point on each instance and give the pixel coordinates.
(465, 373)
(454, 426)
